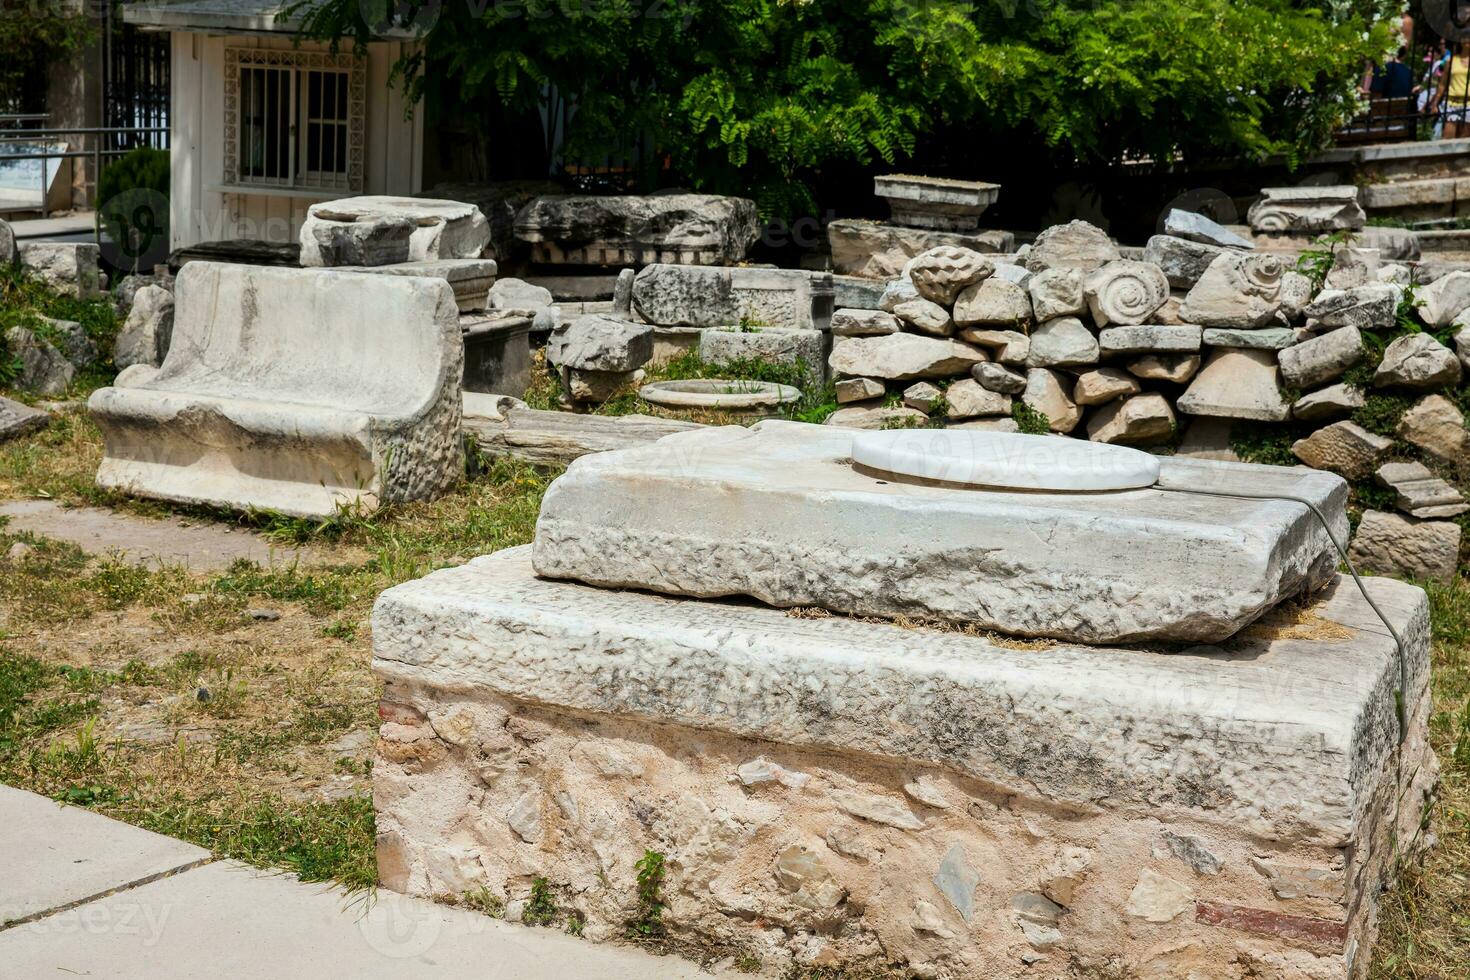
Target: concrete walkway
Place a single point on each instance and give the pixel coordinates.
(82, 895)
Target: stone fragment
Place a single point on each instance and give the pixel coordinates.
(598, 386)
(1436, 426)
(8, 252)
(1419, 492)
(1352, 266)
(622, 301)
(1140, 420)
(1389, 544)
(942, 272)
(1125, 292)
(1196, 227)
(597, 342)
(863, 323)
(993, 424)
(1237, 384)
(903, 357)
(1010, 272)
(707, 296)
(43, 369)
(145, 336)
(935, 202)
(877, 809)
(858, 389)
(1061, 878)
(1395, 273)
(880, 250)
(923, 397)
(17, 420)
(1057, 292)
(1193, 852)
(1345, 448)
(1147, 338)
(967, 399)
(1182, 261)
(1102, 385)
(1321, 359)
(525, 817)
(438, 229)
(1158, 899)
(1295, 294)
(1331, 402)
(516, 297)
(845, 840)
(1031, 907)
(802, 873)
(1061, 342)
(1169, 312)
(1046, 393)
(926, 790)
(1265, 338)
(1462, 346)
(275, 397)
(71, 339)
(1173, 368)
(958, 880)
(925, 317)
(1418, 362)
(996, 377)
(1074, 245)
(1371, 307)
(1010, 346)
(471, 279)
(882, 417)
(1238, 290)
(1307, 209)
(992, 302)
(1291, 882)
(369, 241)
(771, 345)
(67, 268)
(895, 292)
(1208, 438)
(630, 229)
(927, 919)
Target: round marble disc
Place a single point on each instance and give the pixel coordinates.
(1005, 460)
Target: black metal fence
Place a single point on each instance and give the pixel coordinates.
(135, 71)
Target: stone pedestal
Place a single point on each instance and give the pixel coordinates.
(835, 792)
(497, 354)
(935, 202)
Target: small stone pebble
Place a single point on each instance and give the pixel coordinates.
(19, 552)
(263, 615)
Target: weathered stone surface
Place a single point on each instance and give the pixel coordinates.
(1063, 341)
(992, 302)
(1418, 362)
(925, 317)
(1321, 359)
(622, 301)
(1010, 272)
(1057, 292)
(1159, 899)
(1266, 338)
(1436, 426)
(1139, 420)
(878, 417)
(43, 369)
(516, 297)
(1009, 346)
(8, 252)
(878, 250)
(1393, 545)
(923, 397)
(863, 323)
(1332, 402)
(859, 390)
(1208, 438)
(770, 344)
(1373, 306)
(71, 339)
(967, 399)
(1419, 492)
(902, 357)
(1440, 301)
(17, 420)
(1102, 385)
(897, 291)
(1125, 292)
(1150, 337)
(1239, 290)
(1352, 266)
(1307, 209)
(67, 268)
(438, 229)
(940, 273)
(1173, 368)
(1046, 392)
(1237, 384)
(935, 202)
(1074, 245)
(704, 296)
(1462, 346)
(596, 342)
(997, 377)
(1196, 227)
(1295, 294)
(471, 279)
(624, 229)
(275, 394)
(145, 336)
(1345, 448)
(368, 241)
(1182, 261)
(994, 424)
(1193, 852)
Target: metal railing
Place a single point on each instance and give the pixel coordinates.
(119, 140)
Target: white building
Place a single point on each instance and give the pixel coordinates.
(262, 127)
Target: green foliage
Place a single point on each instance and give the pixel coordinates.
(540, 909)
(133, 191)
(25, 299)
(761, 97)
(34, 35)
(1381, 413)
(1261, 443)
(650, 919)
(1030, 421)
(1316, 261)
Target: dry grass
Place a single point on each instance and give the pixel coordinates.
(1294, 621)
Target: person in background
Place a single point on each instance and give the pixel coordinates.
(1394, 80)
(1452, 97)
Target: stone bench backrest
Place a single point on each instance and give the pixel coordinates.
(350, 341)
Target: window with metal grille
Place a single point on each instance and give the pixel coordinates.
(293, 119)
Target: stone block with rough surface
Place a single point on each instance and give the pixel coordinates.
(1013, 811)
(1391, 544)
(1323, 358)
(878, 250)
(730, 511)
(1342, 447)
(771, 345)
(1236, 384)
(470, 279)
(17, 420)
(935, 202)
(293, 390)
(67, 268)
(703, 296)
(1307, 209)
(902, 357)
(437, 230)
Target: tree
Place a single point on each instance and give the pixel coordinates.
(32, 34)
(759, 96)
